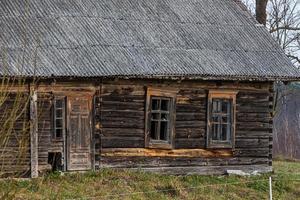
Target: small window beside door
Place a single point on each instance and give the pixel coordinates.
(221, 119)
(160, 118)
(58, 117)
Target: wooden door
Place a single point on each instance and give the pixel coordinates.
(79, 133)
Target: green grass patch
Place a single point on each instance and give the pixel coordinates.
(126, 184)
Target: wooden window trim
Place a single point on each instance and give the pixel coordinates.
(54, 136)
(167, 93)
(221, 94)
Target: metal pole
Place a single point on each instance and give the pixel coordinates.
(270, 187)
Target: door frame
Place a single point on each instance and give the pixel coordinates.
(66, 147)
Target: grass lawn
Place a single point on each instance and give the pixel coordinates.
(118, 184)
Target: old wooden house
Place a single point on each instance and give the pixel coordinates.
(181, 86)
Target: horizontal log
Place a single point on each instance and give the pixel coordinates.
(105, 114)
(112, 105)
(123, 98)
(252, 133)
(122, 119)
(195, 92)
(138, 124)
(253, 109)
(122, 142)
(253, 126)
(253, 87)
(190, 124)
(258, 152)
(129, 162)
(190, 100)
(181, 108)
(190, 116)
(128, 152)
(252, 143)
(190, 132)
(190, 143)
(122, 132)
(206, 170)
(122, 89)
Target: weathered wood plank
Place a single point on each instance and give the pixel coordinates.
(122, 142)
(140, 161)
(165, 153)
(206, 170)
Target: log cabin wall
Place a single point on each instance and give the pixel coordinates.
(121, 121)
(15, 138)
(48, 146)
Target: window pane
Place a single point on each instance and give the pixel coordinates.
(225, 119)
(225, 106)
(59, 113)
(165, 105)
(163, 130)
(217, 105)
(155, 104)
(215, 119)
(59, 123)
(59, 103)
(58, 133)
(215, 132)
(155, 116)
(225, 131)
(164, 117)
(153, 130)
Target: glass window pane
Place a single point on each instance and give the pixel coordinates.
(224, 132)
(165, 105)
(225, 119)
(153, 130)
(59, 103)
(164, 117)
(155, 116)
(59, 123)
(163, 130)
(225, 106)
(215, 119)
(155, 104)
(59, 113)
(215, 106)
(215, 132)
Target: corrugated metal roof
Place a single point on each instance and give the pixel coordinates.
(137, 38)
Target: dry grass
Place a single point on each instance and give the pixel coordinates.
(120, 184)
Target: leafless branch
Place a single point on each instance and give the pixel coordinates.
(287, 27)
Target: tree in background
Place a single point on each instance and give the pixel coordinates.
(261, 11)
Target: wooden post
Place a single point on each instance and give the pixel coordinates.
(270, 187)
(33, 133)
